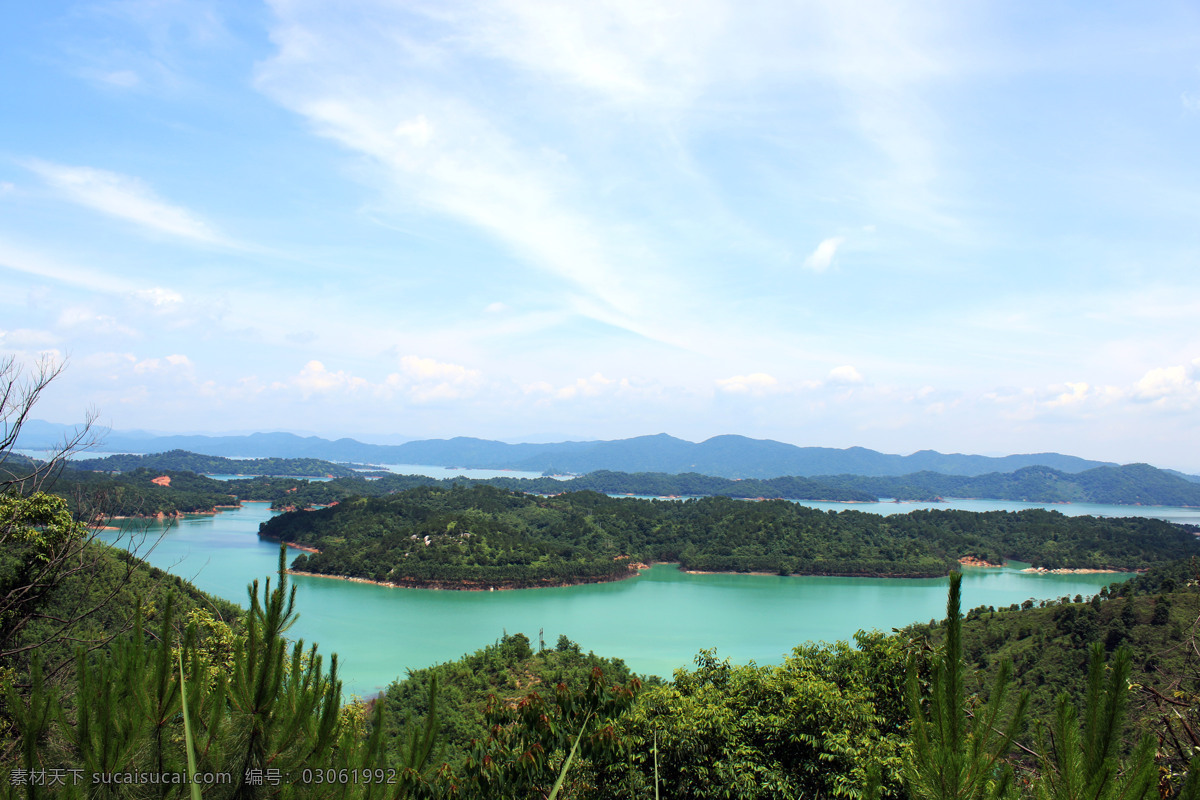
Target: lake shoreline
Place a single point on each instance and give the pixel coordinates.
(636, 569)
(674, 614)
(826, 574)
(471, 586)
(1082, 571)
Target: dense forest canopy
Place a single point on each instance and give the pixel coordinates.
(484, 536)
(182, 460)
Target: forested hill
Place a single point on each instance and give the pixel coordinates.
(141, 493)
(481, 536)
(1132, 484)
(1136, 484)
(216, 465)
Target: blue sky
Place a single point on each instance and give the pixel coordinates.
(971, 227)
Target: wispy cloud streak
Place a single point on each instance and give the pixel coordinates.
(124, 197)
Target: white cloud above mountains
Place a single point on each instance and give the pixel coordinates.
(428, 380)
(761, 383)
(1171, 389)
(1179, 383)
(756, 383)
(418, 380)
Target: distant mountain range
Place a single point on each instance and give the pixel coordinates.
(727, 456)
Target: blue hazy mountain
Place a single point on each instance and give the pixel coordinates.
(728, 456)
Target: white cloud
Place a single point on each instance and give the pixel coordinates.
(822, 258)
(647, 53)
(756, 383)
(1191, 102)
(175, 361)
(597, 385)
(424, 369)
(446, 137)
(21, 259)
(1075, 394)
(158, 297)
(845, 375)
(503, 117)
(585, 387)
(496, 308)
(314, 378)
(84, 318)
(418, 131)
(106, 360)
(1168, 389)
(426, 380)
(1164, 384)
(26, 338)
(124, 197)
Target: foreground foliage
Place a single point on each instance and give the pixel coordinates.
(954, 757)
(264, 719)
(813, 726)
(502, 674)
(957, 754)
(885, 717)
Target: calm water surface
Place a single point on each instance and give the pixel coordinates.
(656, 622)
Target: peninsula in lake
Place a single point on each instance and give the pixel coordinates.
(484, 537)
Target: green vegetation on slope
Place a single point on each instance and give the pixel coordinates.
(1155, 615)
(94, 495)
(102, 600)
(182, 460)
(507, 671)
(513, 722)
(1132, 484)
(481, 536)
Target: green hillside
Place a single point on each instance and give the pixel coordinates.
(480, 536)
(182, 460)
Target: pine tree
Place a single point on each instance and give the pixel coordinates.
(956, 756)
(272, 722)
(1087, 767)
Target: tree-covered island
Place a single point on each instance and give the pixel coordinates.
(481, 537)
(183, 460)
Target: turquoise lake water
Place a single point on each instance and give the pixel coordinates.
(656, 622)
